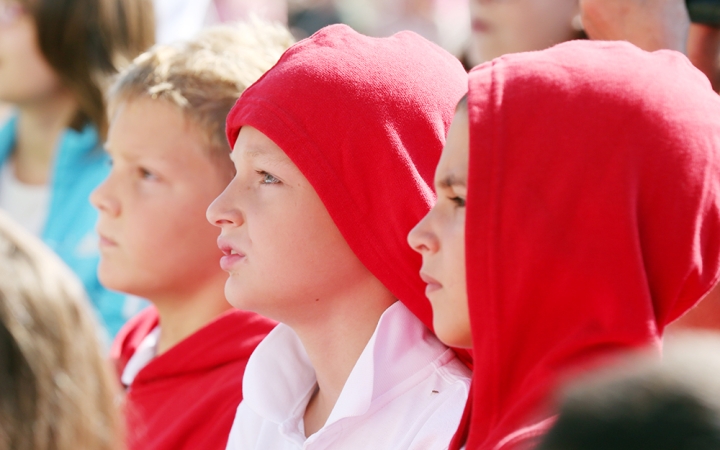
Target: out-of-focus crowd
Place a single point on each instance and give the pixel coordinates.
(79, 118)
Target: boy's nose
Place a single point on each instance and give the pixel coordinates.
(221, 212)
(421, 239)
(104, 202)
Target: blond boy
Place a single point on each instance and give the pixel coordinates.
(181, 360)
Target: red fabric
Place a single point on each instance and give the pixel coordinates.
(186, 398)
(365, 120)
(593, 219)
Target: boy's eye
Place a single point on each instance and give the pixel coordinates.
(267, 178)
(459, 201)
(146, 174)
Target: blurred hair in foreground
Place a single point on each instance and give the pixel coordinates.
(647, 404)
(56, 391)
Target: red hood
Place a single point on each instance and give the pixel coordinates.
(365, 120)
(187, 397)
(229, 338)
(593, 217)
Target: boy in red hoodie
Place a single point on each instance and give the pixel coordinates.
(578, 214)
(334, 149)
(181, 360)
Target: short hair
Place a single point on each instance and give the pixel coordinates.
(56, 387)
(88, 41)
(204, 76)
(673, 405)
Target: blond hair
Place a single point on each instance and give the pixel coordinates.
(206, 75)
(56, 387)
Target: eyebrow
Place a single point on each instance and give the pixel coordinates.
(254, 152)
(451, 181)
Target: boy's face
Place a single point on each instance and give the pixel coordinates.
(154, 239)
(284, 254)
(511, 26)
(440, 239)
(25, 74)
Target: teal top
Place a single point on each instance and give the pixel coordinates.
(80, 165)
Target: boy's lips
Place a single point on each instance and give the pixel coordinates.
(432, 284)
(106, 241)
(231, 255)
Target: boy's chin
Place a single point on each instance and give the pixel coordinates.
(452, 335)
(239, 298)
(110, 279)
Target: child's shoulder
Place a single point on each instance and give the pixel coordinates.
(131, 335)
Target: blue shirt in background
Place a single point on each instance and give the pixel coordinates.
(80, 165)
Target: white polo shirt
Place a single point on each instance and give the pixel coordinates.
(406, 391)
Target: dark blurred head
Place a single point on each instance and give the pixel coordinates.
(50, 45)
(673, 405)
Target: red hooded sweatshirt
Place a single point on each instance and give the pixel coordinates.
(593, 219)
(186, 398)
(365, 121)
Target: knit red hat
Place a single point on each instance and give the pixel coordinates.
(365, 120)
(593, 219)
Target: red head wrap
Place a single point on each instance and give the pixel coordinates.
(593, 218)
(365, 120)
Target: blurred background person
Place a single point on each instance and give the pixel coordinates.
(56, 389)
(445, 22)
(305, 17)
(56, 57)
(704, 38)
(513, 26)
(647, 404)
(183, 19)
(688, 26)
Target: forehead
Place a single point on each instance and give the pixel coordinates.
(146, 127)
(253, 145)
(454, 160)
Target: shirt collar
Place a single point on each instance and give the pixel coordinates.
(145, 353)
(279, 378)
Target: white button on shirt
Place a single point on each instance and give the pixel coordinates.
(406, 391)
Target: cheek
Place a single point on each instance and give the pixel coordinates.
(455, 260)
(546, 23)
(303, 244)
(295, 255)
(24, 73)
(174, 229)
(527, 25)
(450, 307)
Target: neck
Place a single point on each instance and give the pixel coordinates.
(40, 125)
(181, 315)
(334, 347)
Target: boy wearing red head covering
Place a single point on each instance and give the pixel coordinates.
(181, 360)
(592, 221)
(334, 149)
